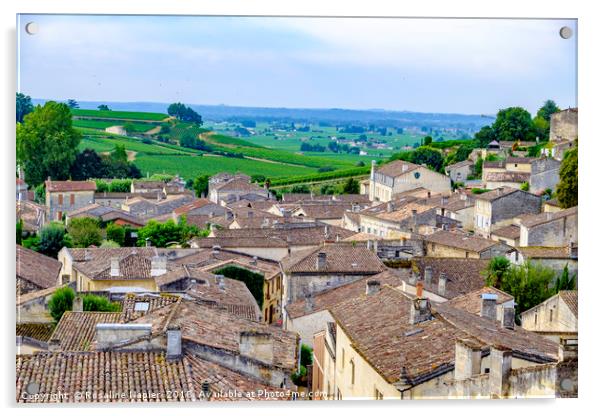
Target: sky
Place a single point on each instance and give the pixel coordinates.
(466, 66)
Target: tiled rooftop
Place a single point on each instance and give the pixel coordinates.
(41, 270)
(340, 258)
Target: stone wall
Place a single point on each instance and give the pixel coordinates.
(563, 125)
(544, 175)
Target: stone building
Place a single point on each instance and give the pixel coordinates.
(399, 176)
(459, 172)
(65, 196)
(226, 188)
(500, 206)
(462, 245)
(554, 318)
(544, 174)
(563, 125)
(310, 271)
(550, 229)
(440, 352)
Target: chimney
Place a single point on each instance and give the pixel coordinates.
(54, 345)
(111, 335)
(114, 267)
(326, 231)
(174, 342)
(148, 242)
(309, 303)
(369, 244)
(158, 266)
(442, 284)
(414, 212)
(216, 249)
(500, 364)
(221, 283)
(428, 194)
(372, 287)
(419, 287)
(428, 275)
(257, 345)
(321, 261)
(567, 349)
(78, 304)
(413, 277)
(420, 310)
(508, 317)
(488, 305)
(389, 206)
(467, 362)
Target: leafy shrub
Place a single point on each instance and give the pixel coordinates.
(61, 301)
(253, 281)
(116, 233)
(94, 303)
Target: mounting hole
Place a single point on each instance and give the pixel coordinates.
(566, 32)
(31, 28)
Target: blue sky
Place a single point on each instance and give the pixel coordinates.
(426, 65)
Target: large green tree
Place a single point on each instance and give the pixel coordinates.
(201, 185)
(426, 155)
(84, 232)
(24, 106)
(47, 143)
(351, 186)
(514, 123)
(546, 111)
(567, 190)
(53, 237)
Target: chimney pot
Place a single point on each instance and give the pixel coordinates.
(419, 287)
(174, 342)
(321, 261)
(428, 275)
(467, 362)
(442, 284)
(420, 311)
(488, 305)
(372, 287)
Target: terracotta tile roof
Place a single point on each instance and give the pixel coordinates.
(239, 184)
(36, 294)
(35, 330)
(104, 213)
(128, 304)
(41, 270)
(109, 376)
(463, 275)
(509, 231)
(234, 242)
(322, 211)
(340, 258)
(329, 298)
(546, 217)
(76, 331)
(197, 203)
(471, 302)
(506, 177)
(400, 213)
(396, 168)
(223, 380)
(534, 252)
(379, 329)
(460, 240)
(496, 193)
(571, 299)
(206, 325)
(493, 164)
(523, 160)
(149, 184)
(265, 221)
(461, 164)
(70, 186)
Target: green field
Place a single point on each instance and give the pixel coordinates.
(130, 115)
(103, 124)
(191, 166)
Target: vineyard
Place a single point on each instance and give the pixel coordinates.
(121, 115)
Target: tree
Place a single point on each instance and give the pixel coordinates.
(115, 233)
(71, 103)
(129, 128)
(431, 157)
(19, 231)
(24, 106)
(184, 113)
(525, 186)
(87, 164)
(47, 143)
(95, 303)
(104, 107)
(84, 232)
(300, 189)
(60, 302)
(546, 111)
(567, 190)
(496, 269)
(529, 284)
(351, 186)
(485, 136)
(514, 123)
(565, 281)
(53, 238)
(163, 234)
(541, 127)
(201, 185)
(428, 140)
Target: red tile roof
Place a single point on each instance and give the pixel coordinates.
(41, 270)
(70, 186)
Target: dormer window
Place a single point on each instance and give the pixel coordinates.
(141, 306)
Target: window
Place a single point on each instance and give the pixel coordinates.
(72, 199)
(339, 395)
(352, 371)
(342, 358)
(60, 199)
(377, 394)
(551, 315)
(535, 319)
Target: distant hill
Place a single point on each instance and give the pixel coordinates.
(332, 116)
